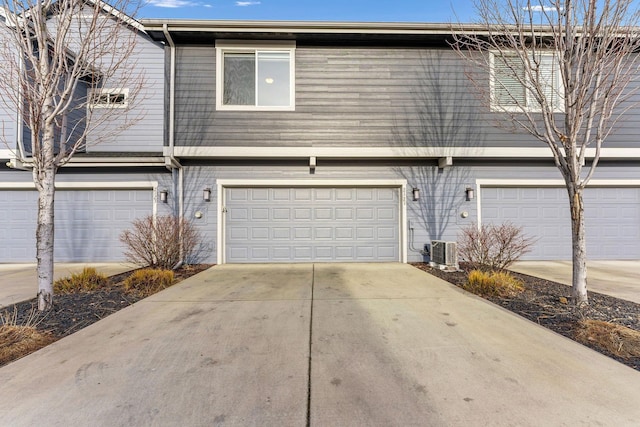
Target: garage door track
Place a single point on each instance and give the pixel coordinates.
(320, 345)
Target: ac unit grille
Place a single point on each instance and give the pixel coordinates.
(444, 253)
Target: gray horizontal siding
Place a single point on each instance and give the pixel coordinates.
(354, 96)
(8, 110)
(145, 120)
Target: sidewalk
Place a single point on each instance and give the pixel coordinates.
(620, 279)
(19, 282)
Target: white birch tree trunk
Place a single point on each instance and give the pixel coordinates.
(579, 245)
(44, 239)
(44, 176)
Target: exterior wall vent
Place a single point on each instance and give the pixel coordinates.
(444, 254)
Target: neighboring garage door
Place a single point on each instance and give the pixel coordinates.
(87, 223)
(612, 219)
(312, 224)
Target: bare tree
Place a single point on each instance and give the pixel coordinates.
(55, 63)
(563, 72)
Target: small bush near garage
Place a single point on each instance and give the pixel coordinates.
(161, 242)
(616, 339)
(497, 283)
(493, 246)
(87, 280)
(148, 281)
(19, 339)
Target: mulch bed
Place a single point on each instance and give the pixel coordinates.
(542, 302)
(72, 312)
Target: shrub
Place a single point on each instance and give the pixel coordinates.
(160, 242)
(493, 246)
(148, 281)
(88, 280)
(18, 340)
(616, 339)
(497, 283)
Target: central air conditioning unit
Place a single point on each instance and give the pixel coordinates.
(444, 253)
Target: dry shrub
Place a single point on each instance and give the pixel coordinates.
(497, 283)
(493, 246)
(148, 281)
(88, 280)
(160, 242)
(18, 340)
(617, 339)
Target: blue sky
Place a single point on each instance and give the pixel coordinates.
(444, 11)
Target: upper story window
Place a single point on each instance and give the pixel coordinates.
(109, 98)
(255, 76)
(511, 84)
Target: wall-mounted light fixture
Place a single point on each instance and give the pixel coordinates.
(164, 196)
(416, 194)
(206, 194)
(469, 193)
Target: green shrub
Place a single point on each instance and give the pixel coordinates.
(500, 284)
(88, 280)
(148, 281)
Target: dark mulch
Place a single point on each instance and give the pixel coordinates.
(72, 312)
(541, 302)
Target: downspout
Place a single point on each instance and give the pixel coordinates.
(172, 162)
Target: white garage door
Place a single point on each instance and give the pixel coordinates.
(312, 224)
(87, 223)
(612, 218)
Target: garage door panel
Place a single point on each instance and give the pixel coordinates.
(612, 219)
(302, 194)
(320, 224)
(281, 233)
(302, 213)
(323, 233)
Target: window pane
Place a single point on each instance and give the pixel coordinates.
(508, 89)
(239, 79)
(274, 83)
(550, 80)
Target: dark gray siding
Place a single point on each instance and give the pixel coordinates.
(353, 97)
(195, 96)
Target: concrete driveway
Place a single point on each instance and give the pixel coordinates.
(319, 345)
(18, 282)
(620, 279)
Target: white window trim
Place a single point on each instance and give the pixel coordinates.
(255, 46)
(531, 107)
(109, 91)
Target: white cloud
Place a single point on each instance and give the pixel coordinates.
(540, 8)
(247, 3)
(171, 3)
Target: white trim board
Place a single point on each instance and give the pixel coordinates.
(221, 184)
(387, 152)
(106, 185)
(544, 183)
(6, 153)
